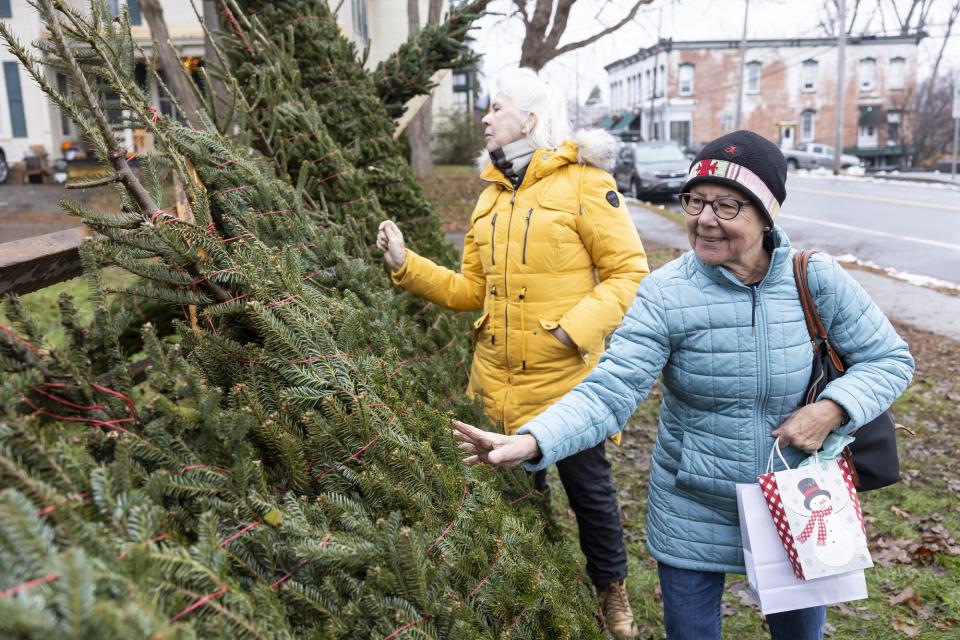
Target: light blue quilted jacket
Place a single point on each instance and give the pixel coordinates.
(735, 362)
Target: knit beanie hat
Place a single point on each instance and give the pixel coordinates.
(748, 162)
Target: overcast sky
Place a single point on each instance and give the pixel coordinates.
(498, 38)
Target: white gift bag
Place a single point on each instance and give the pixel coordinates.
(773, 584)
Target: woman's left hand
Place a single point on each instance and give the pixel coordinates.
(563, 337)
(495, 449)
(809, 426)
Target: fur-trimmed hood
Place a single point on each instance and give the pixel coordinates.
(595, 147)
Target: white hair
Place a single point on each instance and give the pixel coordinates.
(532, 94)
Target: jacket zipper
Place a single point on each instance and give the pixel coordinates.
(753, 311)
(526, 233)
(763, 379)
(506, 291)
(493, 314)
(493, 239)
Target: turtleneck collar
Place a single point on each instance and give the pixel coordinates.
(512, 159)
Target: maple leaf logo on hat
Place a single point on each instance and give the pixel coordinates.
(731, 149)
(707, 168)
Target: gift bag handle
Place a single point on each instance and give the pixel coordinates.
(776, 448)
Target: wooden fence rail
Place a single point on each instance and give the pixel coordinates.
(34, 263)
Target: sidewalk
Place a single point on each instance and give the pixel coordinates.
(918, 176)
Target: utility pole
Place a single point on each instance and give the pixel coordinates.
(655, 122)
(841, 46)
(577, 67)
(743, 62)
(956, 125)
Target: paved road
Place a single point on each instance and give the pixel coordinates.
(909, 227)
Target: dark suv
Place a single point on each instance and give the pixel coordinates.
(650, 168)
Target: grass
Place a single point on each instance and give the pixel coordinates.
(454, 191)
(42, 306)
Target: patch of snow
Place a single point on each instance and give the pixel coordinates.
(912, 278)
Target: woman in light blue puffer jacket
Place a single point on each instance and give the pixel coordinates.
(724, 327)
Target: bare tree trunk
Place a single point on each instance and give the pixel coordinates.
(211, 19)
(177, 80)
(954, 12)
(544, 29)
(420, 130)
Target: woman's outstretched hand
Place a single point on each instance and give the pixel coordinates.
(390, 241)
(495, 449)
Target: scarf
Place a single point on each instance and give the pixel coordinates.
(512, 160)
(817, 519)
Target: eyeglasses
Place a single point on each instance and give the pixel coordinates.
(724, 207)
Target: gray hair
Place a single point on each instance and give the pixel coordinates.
(532, 94)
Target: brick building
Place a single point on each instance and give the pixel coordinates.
(687, 92)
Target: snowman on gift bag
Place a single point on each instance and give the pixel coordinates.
(830, 544)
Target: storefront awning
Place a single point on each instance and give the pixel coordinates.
(624, 123)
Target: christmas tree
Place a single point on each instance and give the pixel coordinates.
(281, 464)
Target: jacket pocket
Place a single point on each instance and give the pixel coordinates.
(478, 325)
(545, 350)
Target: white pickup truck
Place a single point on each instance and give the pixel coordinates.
(814, 154)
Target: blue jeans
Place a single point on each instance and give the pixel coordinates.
(691, 609)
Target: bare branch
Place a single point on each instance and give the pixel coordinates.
(582, 43)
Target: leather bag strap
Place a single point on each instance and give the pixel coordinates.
(818, 333)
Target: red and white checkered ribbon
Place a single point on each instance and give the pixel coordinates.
(771, 494)
(817, 519)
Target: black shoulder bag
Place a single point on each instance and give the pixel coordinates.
(873, 453)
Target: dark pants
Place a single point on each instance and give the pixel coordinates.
(589, 485)
(691, 609)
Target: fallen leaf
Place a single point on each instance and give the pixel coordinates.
(908, 595)
(905, 627)
(900, 512)
(829, 629)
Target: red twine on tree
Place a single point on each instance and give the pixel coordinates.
(407, 626)
(146, 543)
(29, 584)
(200, 602)
(223, 164)
(193, 467)
(280, 581)
(348, 459)
(7, 329)
(452, 522)
(521, 498)
(108, 424)
(240, 188)
(255, 523)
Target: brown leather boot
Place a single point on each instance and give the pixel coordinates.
(615, 612)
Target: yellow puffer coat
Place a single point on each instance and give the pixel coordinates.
(560, 251)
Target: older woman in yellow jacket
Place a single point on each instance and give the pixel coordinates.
(553, 260)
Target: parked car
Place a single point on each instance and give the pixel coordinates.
(4, 167)
(811, 155)
(650, 168)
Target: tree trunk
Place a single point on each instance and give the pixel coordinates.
(218, 91)
(420, 130)
(177, 80)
